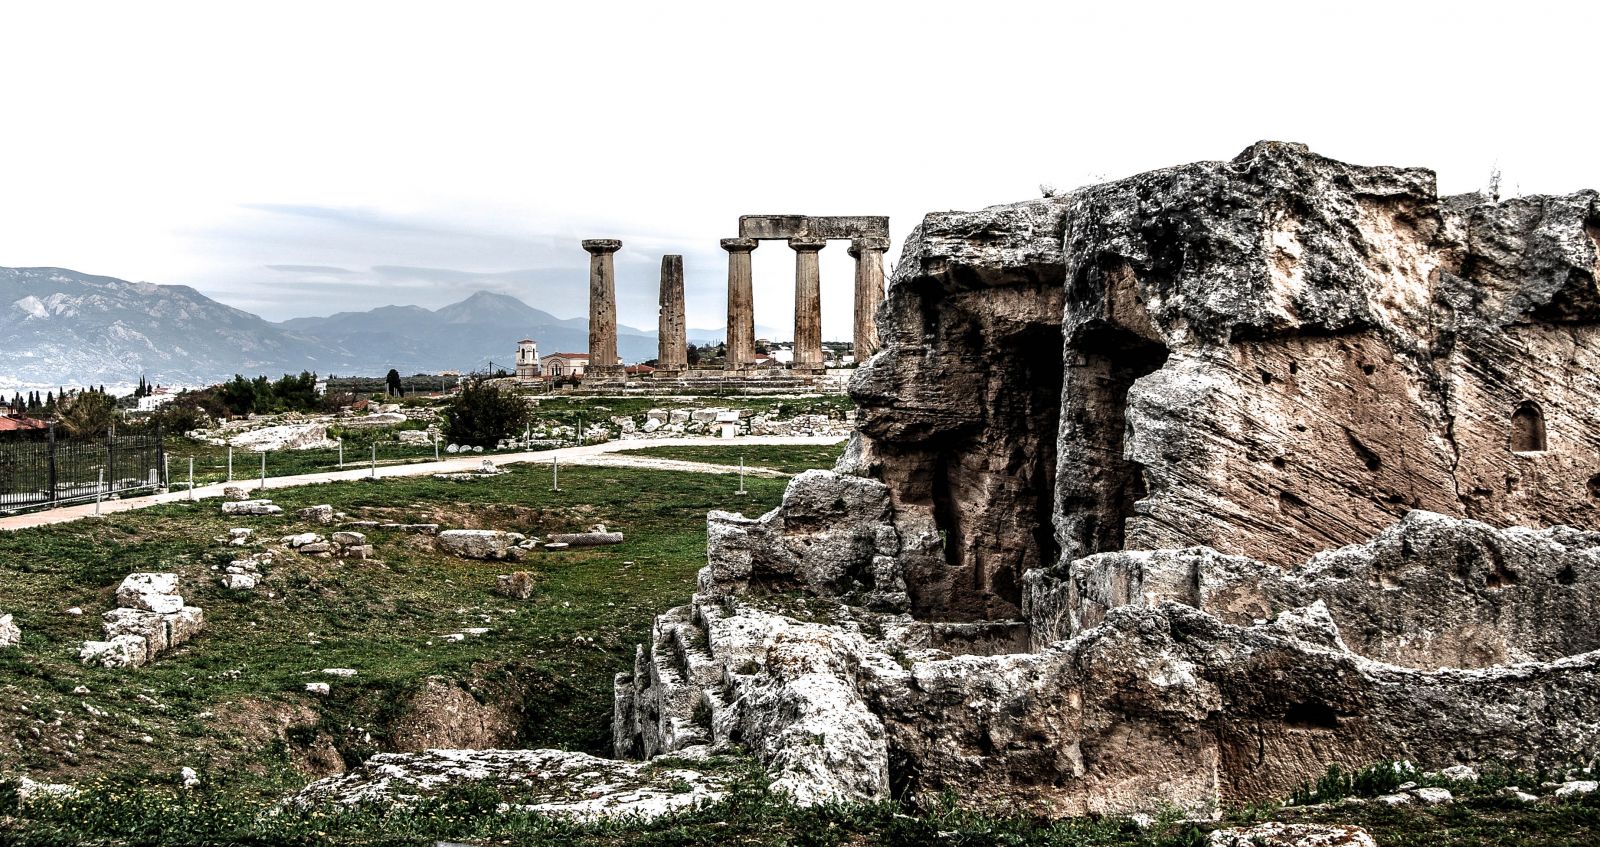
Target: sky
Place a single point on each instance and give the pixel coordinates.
(298, 159)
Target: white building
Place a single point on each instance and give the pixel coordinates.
(528, 367)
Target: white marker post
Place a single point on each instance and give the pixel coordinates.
(341, 454)
(191, 479)
(230, 463)
(97, 489)
(436, 448)
(374, 460)
(741, 477)
(555, 473)
(263, 470)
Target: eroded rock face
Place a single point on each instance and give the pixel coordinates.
(1175, 490)
(1270, 357)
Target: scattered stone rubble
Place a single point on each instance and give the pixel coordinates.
(150, 620)
(489, 544)
(343, 545)
(250, 507)
(553, 782)
(1173, 491)
(483, 471)
(1291, 835)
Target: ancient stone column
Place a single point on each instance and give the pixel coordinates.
(672, 351)
(741, 304)
(868, 253)
(602, 308)
(807, 303)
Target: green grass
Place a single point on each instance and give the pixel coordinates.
(785, 458)
(749, 816)
(201, 704)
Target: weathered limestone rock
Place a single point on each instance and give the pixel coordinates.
(478, 543)
(122, 651)
(234, 494)
(348, 538)
(317, 514)
(1430, 591)
(251, 507)
(10, 633)
(152, 592)
(559, 783)
(150, 620)
(833, 535)
(1191, 484)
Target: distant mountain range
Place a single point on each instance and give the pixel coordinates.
(61, 327)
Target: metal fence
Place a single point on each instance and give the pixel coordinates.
(55, 471)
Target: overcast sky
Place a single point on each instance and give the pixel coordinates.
(304, 158)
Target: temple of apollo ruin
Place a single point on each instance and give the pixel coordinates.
(868, 238)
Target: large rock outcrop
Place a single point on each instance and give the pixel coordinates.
(1175, 490)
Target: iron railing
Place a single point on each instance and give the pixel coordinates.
(60, 471)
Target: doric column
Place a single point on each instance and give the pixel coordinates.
(672, 354)
(602, 307)
(807, 303)
(868, 253)
(741, 304)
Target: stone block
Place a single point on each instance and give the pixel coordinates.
(153, 592)
(317, 514)
(123, 651)
(151, 626)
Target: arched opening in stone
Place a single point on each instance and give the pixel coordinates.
(1099, 484)
(1527, 428)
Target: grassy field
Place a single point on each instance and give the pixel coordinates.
(205, 705)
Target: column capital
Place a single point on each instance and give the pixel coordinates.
(868, 243)
(807, 244)
(601, 246)
(740, 245)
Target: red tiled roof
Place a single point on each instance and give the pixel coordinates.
(12, 423)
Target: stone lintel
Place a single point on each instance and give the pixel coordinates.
(772, 227)
(804, 244)
(740, 245)
(602, 245)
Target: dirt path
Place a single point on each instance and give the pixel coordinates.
(588, 454)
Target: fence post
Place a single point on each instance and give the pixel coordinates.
(111, 458)
(161, 454)
(263, 470)
(230, 462)
(374, 460)
(191, 478)
(52, 434)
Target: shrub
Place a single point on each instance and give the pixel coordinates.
(484, 414)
